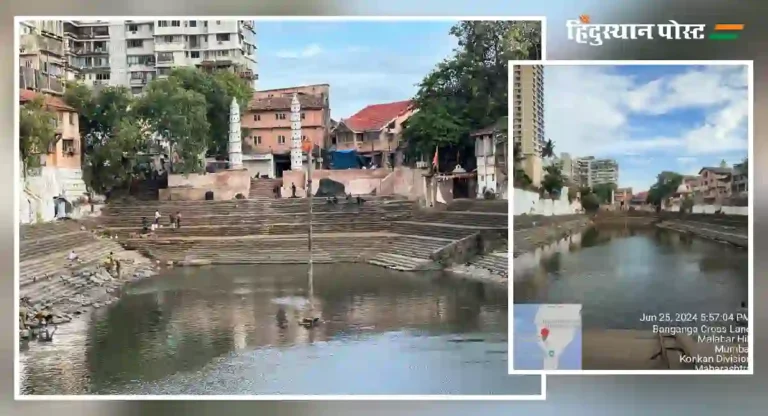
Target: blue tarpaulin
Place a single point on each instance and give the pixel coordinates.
(345, 159)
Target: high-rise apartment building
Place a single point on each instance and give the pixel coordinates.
(528, 117)
(132, 53)
(528, 108)
(591, 172)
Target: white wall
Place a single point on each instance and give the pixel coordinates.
(727, 210)
(36, 194)
(528, 202)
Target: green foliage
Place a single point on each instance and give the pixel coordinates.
(548, 150)
(468, 91)
(590, 202)
(687, 204)
(178, 116)
(666, 185)
(37, 131)
(553, 180)
(218, 89)
(111, 133)
(604, 192)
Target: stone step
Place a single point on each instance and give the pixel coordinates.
(397, 262)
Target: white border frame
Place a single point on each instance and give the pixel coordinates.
(17, 167)
(750, 249)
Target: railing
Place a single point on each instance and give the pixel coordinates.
(33, 43)
(30, 78)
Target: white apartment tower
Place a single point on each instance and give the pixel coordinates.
(132, 53)
(591, 171)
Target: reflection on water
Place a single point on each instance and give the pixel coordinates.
(234, 330)
(618, 273)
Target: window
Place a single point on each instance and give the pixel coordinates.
(133, 28)
(72, 117)
(257, 139)
(218, 22)
(162, 23)
(280, 139)
(222, 37)
(102, 77)
(194, 54)
(303, 116)
(135, 43)
(68, 146)
(193, 23)
(257, 117)
(176, 23)
(280, 116)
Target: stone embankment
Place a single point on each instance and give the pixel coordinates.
(533, 231)
(383, 231)
(726, 229)
(50, 282)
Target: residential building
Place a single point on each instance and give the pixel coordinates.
(622, 196)
(492, 160)
(528, 117)
(267, 146)
(42, 62)
(715, 183)
(49, 192)
(375, 132)
(567, 166)
(592, 171)
(740, 185)
(131, 52)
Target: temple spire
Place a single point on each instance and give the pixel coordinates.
(235, 139)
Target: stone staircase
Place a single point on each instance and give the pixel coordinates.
(263, 188)
(46, 276)
(384, 231)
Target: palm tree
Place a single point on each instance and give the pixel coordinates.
(549, 149)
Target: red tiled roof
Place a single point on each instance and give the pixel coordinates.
(375, 117)
(55, 103)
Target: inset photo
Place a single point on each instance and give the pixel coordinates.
(632, 217)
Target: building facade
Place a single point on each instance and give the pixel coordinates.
(492, 161)
(267, 146)
(131, 53)
(375, 132)
(42, 60)
(715, 183)
(49, 192)
(591, 171)
(528, 117)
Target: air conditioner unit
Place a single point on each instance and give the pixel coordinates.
(220, 42)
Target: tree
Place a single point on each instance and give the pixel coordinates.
(37, 132)
(553, 180)
(666, 184)
(218, 89)
(468, 91)
(112, 134)
(179, 117)
(549, 149)
(604, 192)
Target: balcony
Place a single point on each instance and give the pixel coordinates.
(33, 79)
(35, 43)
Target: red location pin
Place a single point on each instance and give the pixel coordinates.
(544, 333)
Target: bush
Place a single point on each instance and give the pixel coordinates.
(590, 202)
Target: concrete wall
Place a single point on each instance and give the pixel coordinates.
(711, 209)
(225, 185)
(528, 202)
(37, 193)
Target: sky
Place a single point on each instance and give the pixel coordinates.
(650, 118)
(365, 62)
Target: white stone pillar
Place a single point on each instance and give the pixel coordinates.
(296, 154)
(235, 139)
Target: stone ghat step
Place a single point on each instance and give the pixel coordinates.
(411, 247)
(479, 205)
(463, 218)
(254, 219)
(35, 231)
(29, 249)
(397, 262)
(319, 255)
(429, 230)
(495, 263)
(282, 204)
(91, 255)
(251, 230)
(137, 213)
